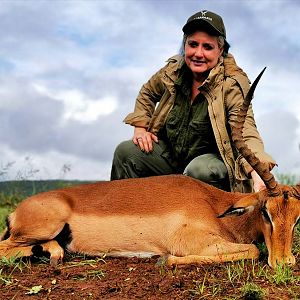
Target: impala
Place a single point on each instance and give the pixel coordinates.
(177, 217)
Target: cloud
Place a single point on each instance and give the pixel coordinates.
(281, 139)
(79, 107)
(70, 72)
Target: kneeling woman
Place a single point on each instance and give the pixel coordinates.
(183, 114)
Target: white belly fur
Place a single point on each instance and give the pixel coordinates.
(122, 235)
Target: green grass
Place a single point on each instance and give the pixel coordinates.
(13, 262)
(8, 267)
(283, 274)
(84, 262)
(89, 275)
(252, 291)
(4, 211)
(26, 188)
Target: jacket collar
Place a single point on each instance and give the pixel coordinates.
(216, 75)
(173, 68)
(226, 67)
(176, 65)
(231, 69)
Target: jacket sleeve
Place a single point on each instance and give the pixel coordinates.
(235, 94)
(146, 101)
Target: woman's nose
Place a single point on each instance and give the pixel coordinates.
(199, 52)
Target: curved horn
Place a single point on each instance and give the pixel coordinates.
(237, 137)
(296, 191)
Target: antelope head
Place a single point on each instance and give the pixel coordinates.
(278, 205)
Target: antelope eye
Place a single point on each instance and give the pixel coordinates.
(266, 215)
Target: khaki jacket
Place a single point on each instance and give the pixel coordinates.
(224, 90)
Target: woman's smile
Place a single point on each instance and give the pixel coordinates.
(202, 53)
(197, 62)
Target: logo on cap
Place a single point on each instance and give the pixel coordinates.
(203, 16)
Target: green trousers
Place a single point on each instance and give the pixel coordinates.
(130, 162)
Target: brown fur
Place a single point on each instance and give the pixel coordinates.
(173, 216)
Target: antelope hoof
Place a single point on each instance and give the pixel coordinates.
(55, 258)
(54, 261)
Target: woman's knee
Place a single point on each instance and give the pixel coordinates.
(207, 167)
(124, 150)
(120, 168)
(130, 162)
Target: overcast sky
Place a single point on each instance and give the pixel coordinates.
(70, 72)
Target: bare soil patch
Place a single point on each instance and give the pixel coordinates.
(134, 278)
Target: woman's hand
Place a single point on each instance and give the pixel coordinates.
(258, 184)
(144, 139)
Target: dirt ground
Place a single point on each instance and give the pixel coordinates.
(134, 278)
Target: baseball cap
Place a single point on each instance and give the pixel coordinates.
(205, 19)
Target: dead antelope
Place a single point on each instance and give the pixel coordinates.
(177, 217)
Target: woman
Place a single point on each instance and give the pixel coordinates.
(183, 115)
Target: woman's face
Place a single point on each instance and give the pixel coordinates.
(201, 53)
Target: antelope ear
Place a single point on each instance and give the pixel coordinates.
(246, 204)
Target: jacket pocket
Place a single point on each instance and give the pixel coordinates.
(201, 130)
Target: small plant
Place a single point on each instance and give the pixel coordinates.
(29, 171)
(283, 275)
(215, 289)
(200, 286)
(4, 169)
(293, 294)
(234, 272)
(8, 267)
(85, 262)
(5, 279)
(13, 262)
(252, 291)
(259, 270)
(95, 274)
(161, 264)
(90, 275)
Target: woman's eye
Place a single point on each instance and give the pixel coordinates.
(208, 47)
(193, 44)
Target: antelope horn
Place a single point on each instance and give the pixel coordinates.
(237, 137)
(296, 191)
